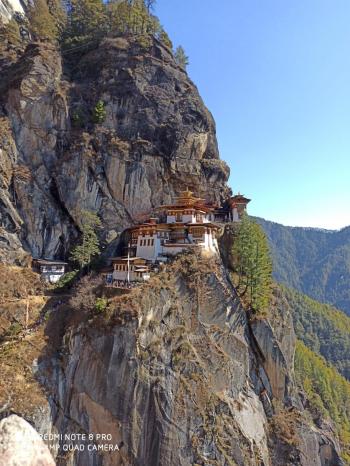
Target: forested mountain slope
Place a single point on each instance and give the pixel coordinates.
(313, 261)
(322, 359)
(327, 391)
(322, 328)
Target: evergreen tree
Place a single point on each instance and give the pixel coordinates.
(180, 57)
(165, 39)
(119, 14)
(132, 17)
(153, 26)
(86, 22)
(88, 248)
(42, 23)
(251, 265)
(99, 113)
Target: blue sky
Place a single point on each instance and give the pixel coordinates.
(276, 76)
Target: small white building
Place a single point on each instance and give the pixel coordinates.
(50, 271)
(238, 206)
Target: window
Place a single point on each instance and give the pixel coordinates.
(178, 216)
(152, 242)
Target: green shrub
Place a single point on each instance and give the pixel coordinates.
(14, 329)
(78, 119)
(144, 40)
(101, 305)
(67, 280)
(99, 112)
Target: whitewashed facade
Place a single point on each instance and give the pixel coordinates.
(187, 225)
(132, 269)
(50, 271)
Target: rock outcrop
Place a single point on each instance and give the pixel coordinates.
(21, 445)
(157, 138)
(173, 374)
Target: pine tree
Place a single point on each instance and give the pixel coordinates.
(42, 23)
(88, 248)
(86, 22)
(181, 58)
(165, 39)
(99, 113)
(252, 265)
(133, 17)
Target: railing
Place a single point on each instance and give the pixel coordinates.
(122, 284)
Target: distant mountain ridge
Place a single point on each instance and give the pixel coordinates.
(311, 260)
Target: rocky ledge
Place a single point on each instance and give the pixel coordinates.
(176, 374)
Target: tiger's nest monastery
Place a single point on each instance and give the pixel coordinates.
(188, 223)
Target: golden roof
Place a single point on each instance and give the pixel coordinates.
(240, 198)
(184, 199)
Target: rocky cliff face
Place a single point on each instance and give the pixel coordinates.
(14, 433)
(156, 139)
(177, 375)
(175, 372)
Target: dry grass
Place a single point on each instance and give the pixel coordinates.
(18, 282)
(18, 350)
(22, 308)
(17, 379)
(284, 426)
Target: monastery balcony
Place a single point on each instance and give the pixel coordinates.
(173, 239)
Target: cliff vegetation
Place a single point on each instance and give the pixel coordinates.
(327, 392)
(322, 328)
